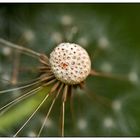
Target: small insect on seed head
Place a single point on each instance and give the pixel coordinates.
(70, 63)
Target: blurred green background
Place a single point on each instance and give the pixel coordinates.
(111, 35)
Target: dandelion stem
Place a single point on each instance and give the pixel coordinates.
(42, 102)
(50, 82)
(63, 120)
(40, 79)
(19, 88)
(16, 65)
(50, 110)
(32, 115)
(20, 48)
(108, 75)
(64, 97)
(22, 97)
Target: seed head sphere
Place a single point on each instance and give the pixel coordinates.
(70, 63)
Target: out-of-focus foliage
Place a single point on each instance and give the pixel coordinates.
(110, 33)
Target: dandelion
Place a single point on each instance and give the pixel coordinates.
(67, 68)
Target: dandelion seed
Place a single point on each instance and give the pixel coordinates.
(57, 37)
(82, 124)
(29, 35)
(116, 105)
(80, 92)
(133, 77)
(6, 51)
(6, 78)
(103, 42)
(74, 29)
(106, 67)
(49, 123)
(31, 134)
(70, 34)
(83, 41)
(66, 20)
(108, 122)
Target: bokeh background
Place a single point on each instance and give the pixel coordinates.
(111, 35)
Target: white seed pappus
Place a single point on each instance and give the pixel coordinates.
(70, 63)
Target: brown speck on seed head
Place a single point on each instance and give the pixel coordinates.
(64, 65)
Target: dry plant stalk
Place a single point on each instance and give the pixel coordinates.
(68, 67)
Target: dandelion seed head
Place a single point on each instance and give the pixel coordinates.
(108, 122)
(70, 63)
(82, 124)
